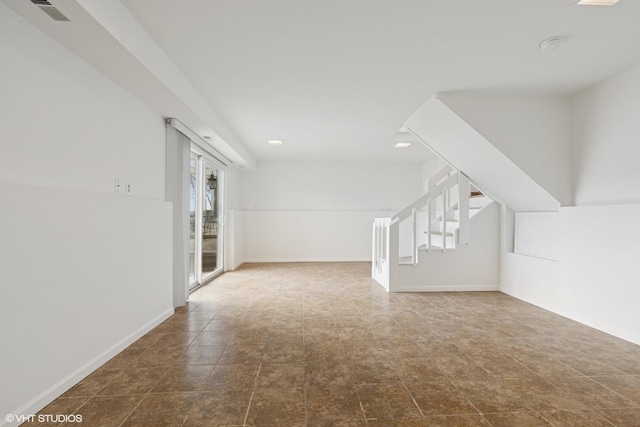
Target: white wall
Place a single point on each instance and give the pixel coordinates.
(234, 220)
(330, 186)
(83, 275)
(65, 125)
(473, 267)
(320, 211)
(83, 272)
(299, 236)
(536, 234)
(606, 142)
(595, 278)
(430, 168)
(532, 131)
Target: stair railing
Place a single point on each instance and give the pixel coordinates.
(441, 191)
(380, 257)
(386, 231)
(438, 177)
(443, 173)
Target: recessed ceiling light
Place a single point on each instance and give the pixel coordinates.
(598, 2)
(402, 144)
(275, 142)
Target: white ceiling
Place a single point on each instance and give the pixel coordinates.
(335, 79)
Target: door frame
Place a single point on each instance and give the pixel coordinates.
(179, 143)
(201, 156)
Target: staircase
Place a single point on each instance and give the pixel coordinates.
(438, 222)
(446, 239)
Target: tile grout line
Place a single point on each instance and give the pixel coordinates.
(253, 391)
(246, 415)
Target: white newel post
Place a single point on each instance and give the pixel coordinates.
(464, 188)
(393, 245)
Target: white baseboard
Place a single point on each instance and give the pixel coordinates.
(276, 260)
(49, 395)
(585, 320)
(235, 266)
(450, 288)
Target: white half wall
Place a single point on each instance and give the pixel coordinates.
(595, 278)
(536, 234)
(473, 267)
(233, 220)
(319, 211)
(83, 275)
(234, 239)
(83, 271)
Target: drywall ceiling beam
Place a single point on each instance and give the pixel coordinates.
(440, 128)
(118, 21)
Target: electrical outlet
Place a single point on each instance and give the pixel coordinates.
(128, 189)
(117, 186)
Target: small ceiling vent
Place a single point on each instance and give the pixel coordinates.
(53, 12)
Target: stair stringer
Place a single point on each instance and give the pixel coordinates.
(453, 139)
(473, 267)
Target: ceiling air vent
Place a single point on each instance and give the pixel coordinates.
(53, 12)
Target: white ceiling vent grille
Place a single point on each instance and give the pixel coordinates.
(53, 12)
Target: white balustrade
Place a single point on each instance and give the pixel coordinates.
(380, 256)
(386, 236)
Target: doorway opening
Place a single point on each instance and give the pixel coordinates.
(206, 232)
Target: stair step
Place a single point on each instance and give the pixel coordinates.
(479, 202)
(455, 214)
(437, 240)
(434, 247)
(439, 233)
(456, 209)
(450, 226)
(439, 248)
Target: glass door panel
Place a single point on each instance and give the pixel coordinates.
(210, 220)
(193, 194)
(205, 192)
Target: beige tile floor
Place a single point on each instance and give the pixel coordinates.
(323, 345)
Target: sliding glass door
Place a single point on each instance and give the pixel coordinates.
(193, 236)
(205, 206)
(210, 254)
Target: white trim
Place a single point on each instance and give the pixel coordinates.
(202, 161)
(517, 249)
(197, 236)
(450, 288)
(605, 327)
(271, 260)
(236, 265)
(554, 261)
(209, 157)
(200, 143)
(49, 395)
(203, 152)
